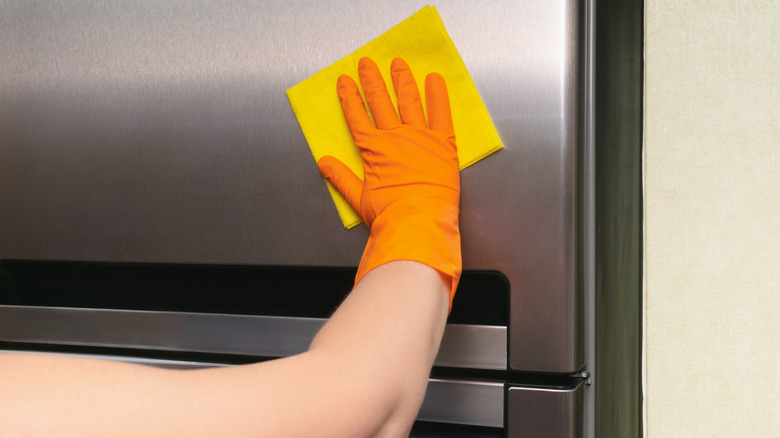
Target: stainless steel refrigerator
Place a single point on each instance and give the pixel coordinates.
(159, 204)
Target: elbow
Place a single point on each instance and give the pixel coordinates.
(377, 401)
(402, 417)
(404, 400)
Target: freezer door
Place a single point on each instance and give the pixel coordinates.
(535, 412)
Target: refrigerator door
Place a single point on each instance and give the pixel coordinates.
(159, 132)
(534, 412)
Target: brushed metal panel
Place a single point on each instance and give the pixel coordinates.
(588, 208)
(462, 346)
(544, 412)
(159, 131)
(446, 401)
(206, 333)
(473, 346)
(464, 402)
(159, 363)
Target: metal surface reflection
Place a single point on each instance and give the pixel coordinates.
(160, 132)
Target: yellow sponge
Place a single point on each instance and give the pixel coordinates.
(422, 41)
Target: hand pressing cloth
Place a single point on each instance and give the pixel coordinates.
(422, 41)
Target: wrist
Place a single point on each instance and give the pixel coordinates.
(413, 234)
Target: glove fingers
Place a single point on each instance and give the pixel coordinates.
(345, 181)
(438, 102)
(376, 93)
(409, 102)
(353, 106)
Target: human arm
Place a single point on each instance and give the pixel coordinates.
(365, 373)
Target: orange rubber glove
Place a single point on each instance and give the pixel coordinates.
(411, 190)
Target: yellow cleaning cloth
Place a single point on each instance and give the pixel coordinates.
(422, 41)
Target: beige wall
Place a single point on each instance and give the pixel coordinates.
(712, 202)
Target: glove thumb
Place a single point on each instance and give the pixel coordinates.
(345, 181)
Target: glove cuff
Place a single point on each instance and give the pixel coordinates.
(417, 236)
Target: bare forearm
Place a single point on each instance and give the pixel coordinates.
(398, 310)
(366, 371)
(391, 327)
